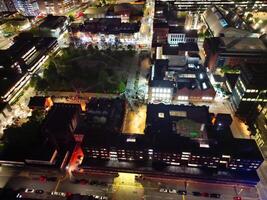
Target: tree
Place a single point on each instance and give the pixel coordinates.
(121, 87)
(71, 18)
(9, 28)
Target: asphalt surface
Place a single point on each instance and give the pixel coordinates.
(125, 186)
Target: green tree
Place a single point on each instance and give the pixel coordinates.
(9, 28)
(71, 18)
(121, 87)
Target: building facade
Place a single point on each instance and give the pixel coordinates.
(7, 5)
(250, 90)
(27, 7)
(57, 7)
(233, 52)
(24, 57)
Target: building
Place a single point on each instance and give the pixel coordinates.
(40, 102)
(103, 31)
(27, 7)
(176, 136)
(222, 22)
(250, 89)
(60, 124)
(184, 53)
(21, 61)
(170, 83)
(258, 127)
(233, 51)
(57, 7)
(177, 35)
(202, 5)
(53, 26)
(7, 5)
(230, 81)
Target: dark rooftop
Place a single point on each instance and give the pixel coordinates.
(59, 118)
(53, 22)
(254, 75)
(231, 79)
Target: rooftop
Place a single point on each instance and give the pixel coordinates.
(53, 22)
(174, 50)
(60, 116)
(243, 44)
(254, 75)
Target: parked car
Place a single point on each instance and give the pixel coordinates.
(182, 192)
(172, 191)
(163, 190)
(214, 195)
(43, 178)
(196, 194)
(39, 191)
(63, 194)
(27, 190)
(205, 194)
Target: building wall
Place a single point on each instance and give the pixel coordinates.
(176, 38)
(57, 7)
(244, 99)
(7, 5)
(160, 35)
(160, 94)
(172, 158)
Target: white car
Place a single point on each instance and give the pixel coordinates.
(172, 191)
(63, 194)
(29, 190)
(163, 190)
(19, 196)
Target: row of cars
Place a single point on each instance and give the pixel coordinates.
(184, 192)
(68, 195)
(93, 182)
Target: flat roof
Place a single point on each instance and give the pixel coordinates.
(243, 44)
(174, 50)
(53, 22)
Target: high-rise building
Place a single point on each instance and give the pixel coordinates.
(201, 5)
(234, 51)
(7, 5)
(27, 7)
(250, 90)
(57, 7)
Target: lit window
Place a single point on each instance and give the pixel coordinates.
(161, 115)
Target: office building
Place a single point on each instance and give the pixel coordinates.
(250, 90)
(19, 62)
(57, 7)
(53, 26)
(225, 22)
(27, 7)
(177, 35)
(170, 83)
(176, 136)
(233, 51)
(60, 124)
(202, 5)
(7, 6)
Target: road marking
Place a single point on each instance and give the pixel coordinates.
(64, 178)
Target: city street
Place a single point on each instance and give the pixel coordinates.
(125, 186)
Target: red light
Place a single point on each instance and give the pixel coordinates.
(237, 198)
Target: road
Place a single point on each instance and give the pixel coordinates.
(124, 186)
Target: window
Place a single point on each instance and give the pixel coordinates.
(178, 113)
(161, 115)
